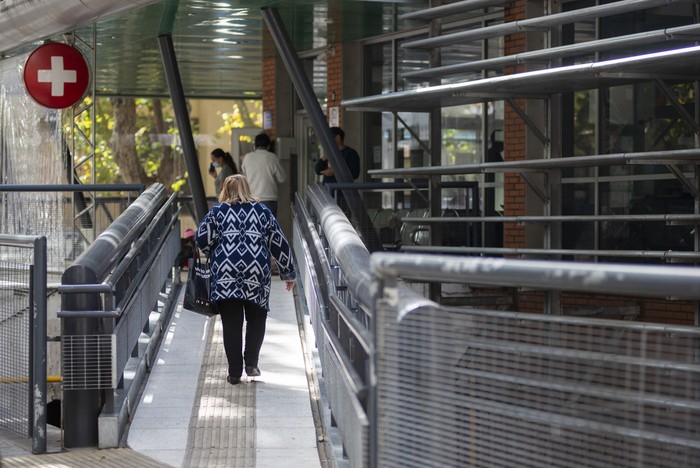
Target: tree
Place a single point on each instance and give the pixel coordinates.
(135, 140)
(244, 114)
(123, 142)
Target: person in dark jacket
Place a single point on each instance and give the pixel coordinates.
(352, 159)
(240, 235)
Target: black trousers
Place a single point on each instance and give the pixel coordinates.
(233, 311)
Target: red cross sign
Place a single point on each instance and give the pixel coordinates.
(56, 75)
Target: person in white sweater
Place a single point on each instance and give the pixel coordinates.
(264, 172)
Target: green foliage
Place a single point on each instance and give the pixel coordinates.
(151, 144)
(243, 114)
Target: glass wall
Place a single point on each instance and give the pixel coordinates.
(628, 119)
(404, 140)
(471, 134)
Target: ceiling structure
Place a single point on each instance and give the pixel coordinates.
(219, 48)
(218, 44)
(682, 64)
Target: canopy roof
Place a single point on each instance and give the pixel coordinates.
(219, 44)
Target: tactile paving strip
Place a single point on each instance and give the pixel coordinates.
(108, 458)
(222, 428)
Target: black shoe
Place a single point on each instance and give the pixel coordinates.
(252, 371)
(235, 381)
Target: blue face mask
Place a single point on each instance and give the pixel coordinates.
(216, 164)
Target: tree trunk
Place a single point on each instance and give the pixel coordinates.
(166, 168)
(245, 113)
(123, 142)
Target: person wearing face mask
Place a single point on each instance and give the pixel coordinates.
(223, 160)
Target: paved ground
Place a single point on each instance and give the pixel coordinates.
(189, 416)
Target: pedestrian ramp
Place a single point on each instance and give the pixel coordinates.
(189, 416)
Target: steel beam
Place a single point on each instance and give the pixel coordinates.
(318, 121)
(172, 75)
(539, 23)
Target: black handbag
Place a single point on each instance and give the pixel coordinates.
(197, 289)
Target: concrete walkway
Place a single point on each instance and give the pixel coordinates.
(189, 416)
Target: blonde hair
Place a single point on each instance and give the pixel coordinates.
(235, 189)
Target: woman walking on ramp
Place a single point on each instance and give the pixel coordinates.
(239, 235)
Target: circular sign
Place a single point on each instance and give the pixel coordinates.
(56, 75)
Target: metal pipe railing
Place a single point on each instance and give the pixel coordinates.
(675, 219)
(345, 244)
(648, 281)
(538, 84)
(82, 406)
(687, 156)
(535, 367)
(443, 11)
(39, 337)
(689, 256)
(687, 33)
(542, 22)
(101, 255)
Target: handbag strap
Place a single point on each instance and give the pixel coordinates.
(198, 257)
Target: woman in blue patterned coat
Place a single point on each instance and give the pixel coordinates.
(239, 235)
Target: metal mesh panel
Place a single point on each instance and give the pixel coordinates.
(478, 388)
(15, 342)
(88, 361)
(145, 300)
(346, 409)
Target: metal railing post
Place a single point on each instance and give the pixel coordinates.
(39, 336)
(81, 408)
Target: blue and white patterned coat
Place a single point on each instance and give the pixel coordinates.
(243, 236)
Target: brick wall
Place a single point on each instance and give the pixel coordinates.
(269, 94)
(515, 141)
(334, 83)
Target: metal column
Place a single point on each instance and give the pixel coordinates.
(39, 332)
(177, 95)
(81, 408)
(308, 99)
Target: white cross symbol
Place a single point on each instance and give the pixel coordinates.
(57, 76)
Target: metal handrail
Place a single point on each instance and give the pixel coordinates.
(688, 156)
(345, 244)
(79, 314)
(668, 218)
(475, 334)
(686, 32)
(101, 255)
(443, 11)
(618, 279)
(72, 188)
(541, 22)
(665, 254)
